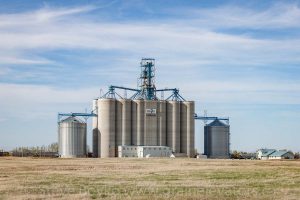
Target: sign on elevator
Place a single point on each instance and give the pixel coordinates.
(150, 111)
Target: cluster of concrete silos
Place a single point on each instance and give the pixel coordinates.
(142, 123)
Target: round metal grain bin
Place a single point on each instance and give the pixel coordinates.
(216, 140)
(72, 138)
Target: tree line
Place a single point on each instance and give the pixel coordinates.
(50, 150)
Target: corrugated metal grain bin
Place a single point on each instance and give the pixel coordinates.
(72, 138)
(216, 140)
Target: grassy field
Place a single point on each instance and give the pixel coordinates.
(37, 178)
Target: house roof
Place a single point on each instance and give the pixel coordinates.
(279, 153)
(267, 152)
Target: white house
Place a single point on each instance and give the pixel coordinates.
(263, 154)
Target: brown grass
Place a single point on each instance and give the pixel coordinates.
(36, 178)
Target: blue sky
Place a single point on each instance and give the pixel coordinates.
(234, 58)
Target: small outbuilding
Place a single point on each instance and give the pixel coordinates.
(282, 154)
(144, 151)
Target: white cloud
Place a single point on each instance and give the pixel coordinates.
(278, 16)
(10, 59)
(175, 43)
(169, 39)
(236, 92)
(45, 15)
(43, 102)
(40, 17)
(12, 93)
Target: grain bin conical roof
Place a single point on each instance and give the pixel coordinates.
(217, 122)
(72, 119)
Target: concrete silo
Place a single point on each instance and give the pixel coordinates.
(183, 127)
(150, 123)
(216, 140)
(96, 135)
(119, 124)
(72, 138)
(133, 123)
(187, 130)
(162, 123)
(107, 126)
(190, 131)
(173, 125)
(126, 121)
(140, 121)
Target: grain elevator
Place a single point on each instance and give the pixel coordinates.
(141, 122)
(143, 119)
